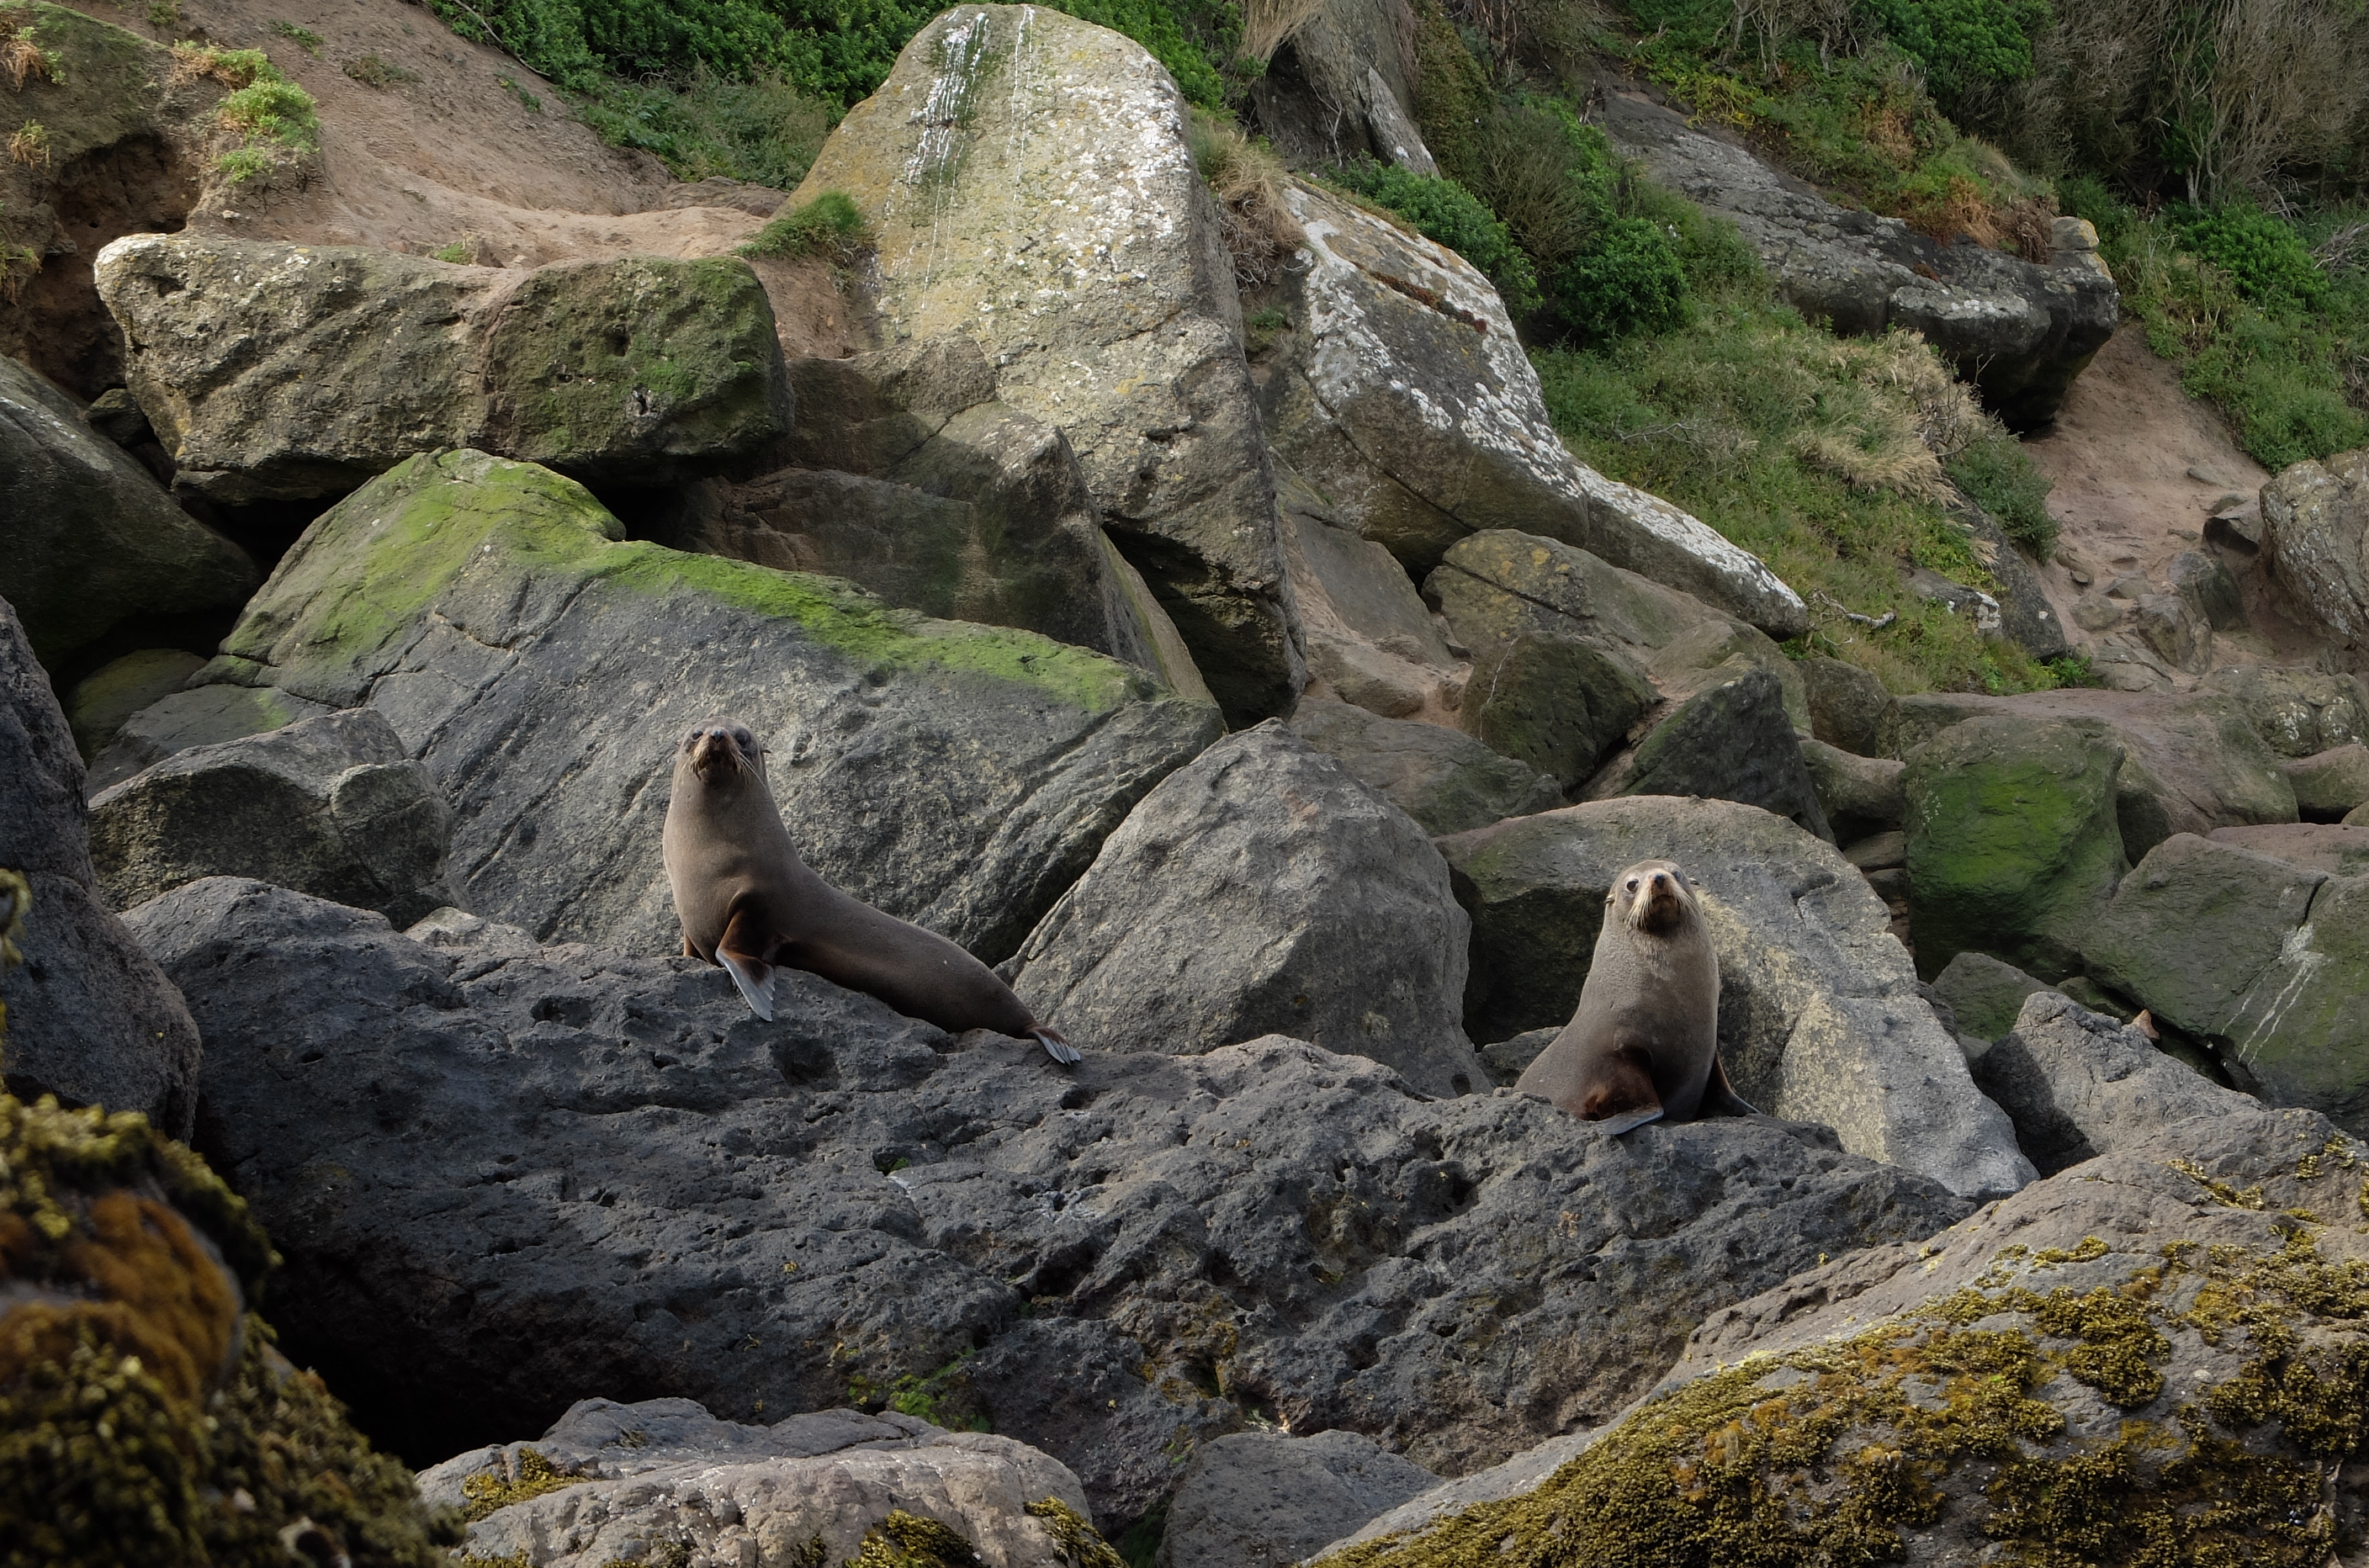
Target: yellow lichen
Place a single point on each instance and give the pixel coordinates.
(1080, 1543)
(913, 1541)
(534, 1475)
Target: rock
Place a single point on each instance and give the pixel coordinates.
(638, 370)
(1819, 1016)
(327, 806)
(2020, 332)
(1263, 1500)
(1984, 995)
(2193, 763)
(501, 1177)
(1118, 323)
(1847, 705)
(1955, 597)
(1860, 796)
(2264, 960)
(1730, 741)
(1262, 889)
(1505, 1061)
(2315, 542)
(2013, 841)
(110, 694)
(1370, 639)
(662, 1481)
(1338, 87)
(2025, 618)
(2211, 594)
(2059, 1369)
(198, 716)
(1519, 1474)
(2297, 713)
(1404, 396)
(1553, 703)
(89, 1017)
(959, 776)
(92, 540)
(1878, 851)
(2330, 784)
(2076, 1084)
(2179, 635)
(1447, 782)
(2328, 847)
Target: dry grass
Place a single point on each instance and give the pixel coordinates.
(31, 145)
(1268, 25)
(1249, 182)
(21, 57)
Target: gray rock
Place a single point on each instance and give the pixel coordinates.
(326, 806)
(104, 700)
(2019, 331)
(2315, 542)
(1117, 324)
(93, 540)
(1447, 780)
(1819, 1015)
(1414, 409)
(1338, 87)
(90, 1018)
(499, 1180)
(1370, 639)
(2297, 713)
(2332, 847)
(959, 776)
(1265, 1500)
(2025, 617)
(200, 715)
(1733, 740)
(2208, 590)
(1507, 1060)
(663, 1480)
(1555, 702)
(1262, 889)
(1860, 794)
(1522, 1473)
(638, 370)
(1983, 996)
(1847, 705)
(2330, 784)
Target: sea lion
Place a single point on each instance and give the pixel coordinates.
(1644, 1044)
(747, 902)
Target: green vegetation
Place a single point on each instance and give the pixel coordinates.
(271, 120)
(372, 72)
(31, 145)
(704, 125)
(527, 100)
(457, 252)
(305, 39)
(829, 226)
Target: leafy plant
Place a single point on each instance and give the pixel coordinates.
(372, 72)
(31, 145)
(828, 225)
(305, 39)
(457, 252)
(1963, 43)
(2266, 257)
(1444, 211)
(272, 116)
(761, 130)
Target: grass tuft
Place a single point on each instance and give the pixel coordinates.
(829, 225)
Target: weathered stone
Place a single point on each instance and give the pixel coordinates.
(1404, 396)
(1447, 782)
(500, 1177)
(2328, 847)
(2208, 590)
(2025, 617)
(1262, 889)
(1984, 995)
(89, 1017)
(1860, 794)
(1264, 1500)
(200, 715)
(955, 775)
(2019, 331)
(92, 539)
(662, 1481)
(1819, 1015)
(1027, 184)
(1505, 1061)
(2181, 637)
(636, 369)
(1733, 740)
(106, 698)
(1337, 86)
(1370, 639)
(2315, 542)
(1555, 702)
(2296, 711)
(1847, 705)
(2330, 784)
(327, 806)
(2013, 841)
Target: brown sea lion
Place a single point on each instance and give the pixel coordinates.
(747, 902)
(1644, 1044)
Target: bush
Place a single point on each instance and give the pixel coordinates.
(2263, 255)
(761, 130)
(828, 225)
(1629, 280)
(1446, 212)
(1963, 44)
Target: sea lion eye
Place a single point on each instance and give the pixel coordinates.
(1632, 885)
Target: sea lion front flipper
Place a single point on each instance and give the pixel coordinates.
(1622, 1096)
(1060, 1050)
(1719, 1098)
(742, 960)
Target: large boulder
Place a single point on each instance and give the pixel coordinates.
(1444, 779)
(1262, 889)
(541, 668)
(1730, 740)
(2331, 784)
(1404, 393)
(636, 369)
(2315, 542)
(1819, 1015)
(2019, 331)
(90, 1018)
(663, 1480)
(1860, 796)
(203, 714)
(327, 806)
(1266, 1500)
(501, 1176)
(2012, 843)
(2265, 959)
(2157, 1356)
(2297, 713)
(1555, 702)
(104, 701)
(1371, 640)
(92, 539)
(1342, 83)
(1847, 705)
(2336, 848)
(1027, 184)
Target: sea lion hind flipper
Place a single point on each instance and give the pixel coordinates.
(750, 971)
(1060, 1050)
(1719, 1098)
(1613, 1127)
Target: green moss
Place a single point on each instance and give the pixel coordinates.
(1080, 1543)
(829, 225)
(532, 1475)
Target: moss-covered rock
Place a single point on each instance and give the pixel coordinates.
(2013, 845)
(1555, 702)
(2329, 783)
(1731, 740)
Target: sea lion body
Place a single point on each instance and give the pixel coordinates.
(747, 902)
(1644, 1042)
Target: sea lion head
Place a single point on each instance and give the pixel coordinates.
(1652, 896)
(721, 753)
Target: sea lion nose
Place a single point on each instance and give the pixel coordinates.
(717, 735)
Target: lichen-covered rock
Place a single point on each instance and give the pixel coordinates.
(1730, 740)
(1339, 85)
(1819, 1015)
(501, 1176)
(2328, 784)
(641, 369)
(1859, 795)
(1557, 704)
(1262, 889)
(327, 806)
(2296, 711)
(1026, 181)
(90, 1019)
(1447, 780)
(2158, 1356)
(541, 668)
(663, 1480)
(1267, 1500)
(144, 1416)
(2315, 542)
(1404, 395)
(92, 540)
(1370, 639)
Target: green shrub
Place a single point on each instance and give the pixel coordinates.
(761, 130)
(1963, 43)
(2263, 254)
(1446, 212)
(1628, 281)
(828, 225)
(2000, 477)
